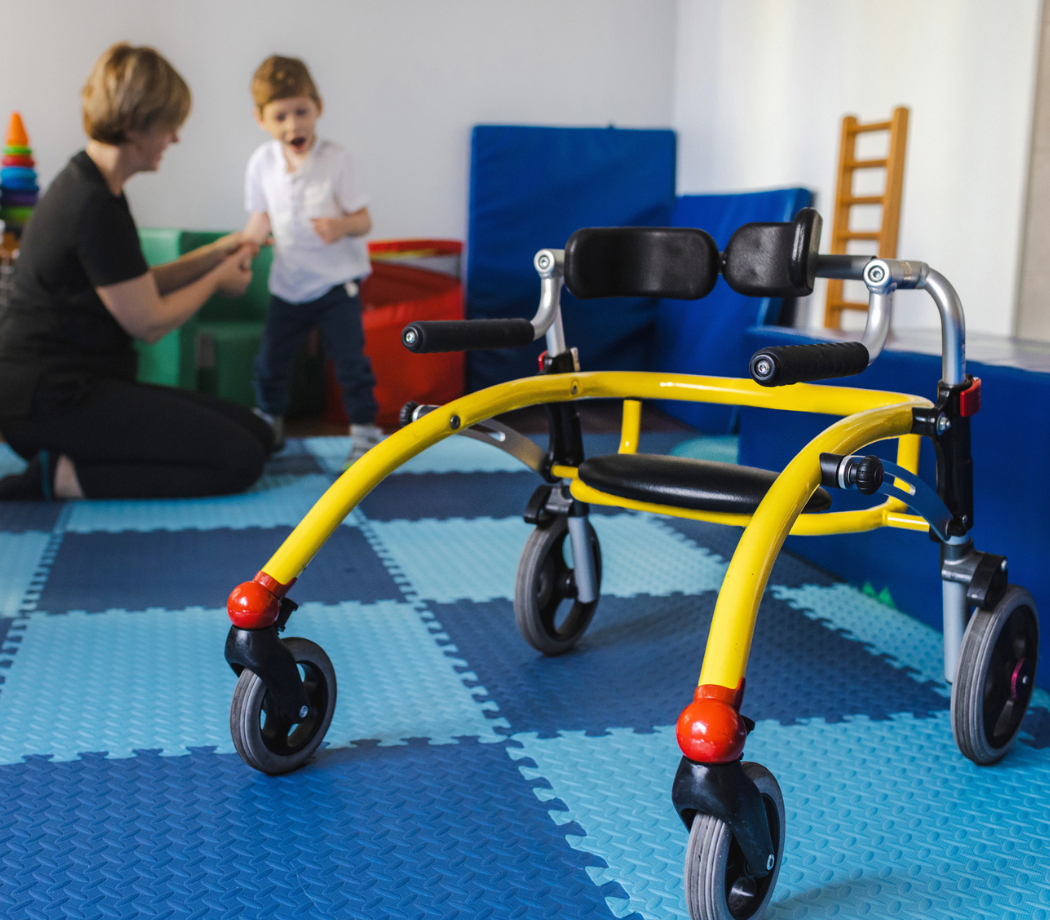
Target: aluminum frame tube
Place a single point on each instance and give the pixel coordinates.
(583, 560)
(550, 265)
(953, 327)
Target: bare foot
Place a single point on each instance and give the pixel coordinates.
(66, 483)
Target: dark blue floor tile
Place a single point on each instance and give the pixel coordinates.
(346, 568)
(188, 568)
(418, 496)
(790, 570)
(20, 517)
(411, 831)
(415, 496)
(640, 660)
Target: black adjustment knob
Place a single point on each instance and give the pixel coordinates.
(404, 417)
(866, 474)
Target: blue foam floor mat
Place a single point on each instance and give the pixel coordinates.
(464, 774)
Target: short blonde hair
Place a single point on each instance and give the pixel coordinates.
(282, 78)
(132, 89)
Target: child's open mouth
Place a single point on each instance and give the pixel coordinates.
(298, 142)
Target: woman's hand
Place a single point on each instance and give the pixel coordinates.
(138, 306)
(229, 244)
(174, 276)
(234, 273)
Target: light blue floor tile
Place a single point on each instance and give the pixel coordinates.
(477, 559)
(394, 676)
(453, 455)
(723, 448)
(451, 559)
(277, 501)
(120, 682)
(19, 558)
(618, 788)
(884, 819)
(330, 452)
(117, 682)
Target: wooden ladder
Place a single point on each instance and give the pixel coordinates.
(845, 199)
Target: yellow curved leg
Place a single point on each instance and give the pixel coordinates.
(710, 729)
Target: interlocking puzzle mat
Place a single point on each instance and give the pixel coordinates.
(464, 774)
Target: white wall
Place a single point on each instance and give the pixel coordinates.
(403, 82)
(756, 89)
(761, 87)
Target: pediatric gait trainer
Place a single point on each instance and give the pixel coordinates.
(733, 810)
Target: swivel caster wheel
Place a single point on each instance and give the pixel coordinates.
(717, 883)
(545, 606)
(263, 736)
(995, 676)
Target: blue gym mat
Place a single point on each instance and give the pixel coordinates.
(464, 774)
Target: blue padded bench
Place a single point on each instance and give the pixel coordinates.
(531, 188)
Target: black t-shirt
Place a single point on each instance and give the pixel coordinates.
(55, 330)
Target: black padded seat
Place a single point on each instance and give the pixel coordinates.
(681, 482)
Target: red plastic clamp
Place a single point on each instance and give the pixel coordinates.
(970, 399)
(710, 729)
(256, 604)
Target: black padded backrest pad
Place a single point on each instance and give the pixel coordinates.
(678, 262)
(681, 482)
(774, 260)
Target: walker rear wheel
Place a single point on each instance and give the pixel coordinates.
(545, 606)
(995, 676)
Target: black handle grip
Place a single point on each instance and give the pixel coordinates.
(783, 364)
(466, 334)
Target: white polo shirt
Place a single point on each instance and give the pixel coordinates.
(326, 184)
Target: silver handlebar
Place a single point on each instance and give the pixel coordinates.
(550, 266)
(883, 277)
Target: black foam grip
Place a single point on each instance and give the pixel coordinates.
(783, 364)
(466, 334)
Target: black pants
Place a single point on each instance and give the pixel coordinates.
(134, 440)
(338, 316)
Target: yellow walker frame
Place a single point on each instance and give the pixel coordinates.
(870, 415)
(723, 801)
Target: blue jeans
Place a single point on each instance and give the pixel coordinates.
(338, 316)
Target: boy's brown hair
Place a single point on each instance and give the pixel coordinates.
(282, 78)
(132, 89)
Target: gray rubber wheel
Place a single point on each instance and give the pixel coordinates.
(995, 676)
(264, 738)
(545, 606)
(717, 883)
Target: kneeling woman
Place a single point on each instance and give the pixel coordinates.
(82, 292)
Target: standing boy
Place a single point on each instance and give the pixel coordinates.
(306, 192)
